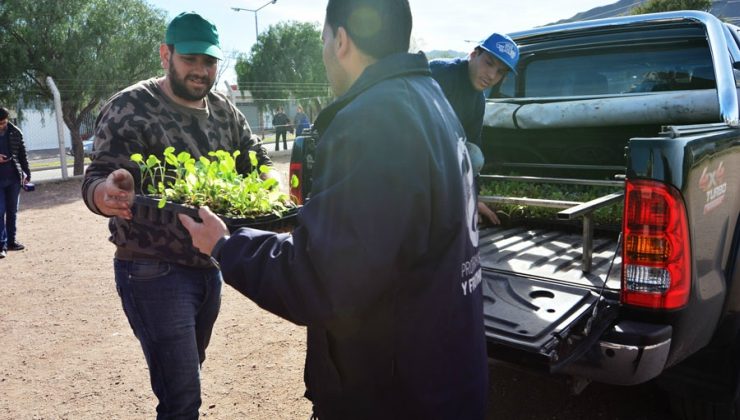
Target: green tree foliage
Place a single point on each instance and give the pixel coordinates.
(284, 63)
(434, 54)
(653, 6)
(90, 48)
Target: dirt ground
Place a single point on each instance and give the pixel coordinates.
(67, 351)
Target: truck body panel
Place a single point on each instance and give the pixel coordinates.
(545, 130)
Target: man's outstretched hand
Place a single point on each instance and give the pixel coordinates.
(115, 196)
(205, 234)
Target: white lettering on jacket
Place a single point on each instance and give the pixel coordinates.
(471, 275)
(471, 203)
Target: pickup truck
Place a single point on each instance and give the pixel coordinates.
(648, 107)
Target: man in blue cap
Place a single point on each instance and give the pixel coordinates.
(463, 81)
(170, 292)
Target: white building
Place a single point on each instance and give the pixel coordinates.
(40, 130)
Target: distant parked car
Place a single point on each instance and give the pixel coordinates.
(87, 147)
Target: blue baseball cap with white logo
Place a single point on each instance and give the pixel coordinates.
(503, 48)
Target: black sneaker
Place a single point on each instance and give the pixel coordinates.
(15, 246)
(2, 254)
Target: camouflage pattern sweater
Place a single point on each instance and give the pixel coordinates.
(142, 119)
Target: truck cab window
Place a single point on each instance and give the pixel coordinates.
(614, 71)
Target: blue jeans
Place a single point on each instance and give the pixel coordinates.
(10, 191)
(171, 309)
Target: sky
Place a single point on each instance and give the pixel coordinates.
(438, 24)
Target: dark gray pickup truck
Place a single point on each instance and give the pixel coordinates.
(647, 106)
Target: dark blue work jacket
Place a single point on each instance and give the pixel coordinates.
(469, 104)
(383, 267)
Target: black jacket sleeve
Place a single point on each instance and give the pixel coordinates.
(18, 149)
(365, 222)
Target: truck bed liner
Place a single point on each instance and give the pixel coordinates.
(549, 254)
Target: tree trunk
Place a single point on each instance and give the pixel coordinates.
(73, 118)
(77, 150)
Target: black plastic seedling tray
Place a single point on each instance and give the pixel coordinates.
(146, 208)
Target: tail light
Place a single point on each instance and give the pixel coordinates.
(296, 193)
(656, 252)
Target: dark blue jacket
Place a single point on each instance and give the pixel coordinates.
(383, 266)
(469, 104)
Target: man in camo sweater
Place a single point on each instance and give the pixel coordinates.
(170, 292)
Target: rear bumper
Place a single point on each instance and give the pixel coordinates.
(628, 353)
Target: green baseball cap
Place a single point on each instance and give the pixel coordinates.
(191, 33)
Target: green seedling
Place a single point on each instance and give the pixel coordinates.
(212, 181)
(610, 215)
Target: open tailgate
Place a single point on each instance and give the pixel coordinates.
(538, 303)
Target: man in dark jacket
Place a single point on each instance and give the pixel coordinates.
(281, 122)
(383, 266)
(14, 173)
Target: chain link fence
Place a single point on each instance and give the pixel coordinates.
(39, 125)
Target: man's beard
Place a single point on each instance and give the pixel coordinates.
(181, 89)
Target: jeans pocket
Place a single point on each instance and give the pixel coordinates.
(148, 270)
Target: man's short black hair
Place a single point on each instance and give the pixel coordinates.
(378, 27)
(4, 113)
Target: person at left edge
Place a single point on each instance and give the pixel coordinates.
(170, 292)
(14, 173)
(383, 266)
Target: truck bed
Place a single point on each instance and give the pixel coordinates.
(549, 254)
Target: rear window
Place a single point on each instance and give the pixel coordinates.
(612, 72)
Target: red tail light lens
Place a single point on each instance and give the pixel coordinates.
(656, 253)
(296, 193)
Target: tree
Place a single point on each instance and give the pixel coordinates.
(434, 54)
(653, 6)
(285, 63)
(224, 64)
(91, 48)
